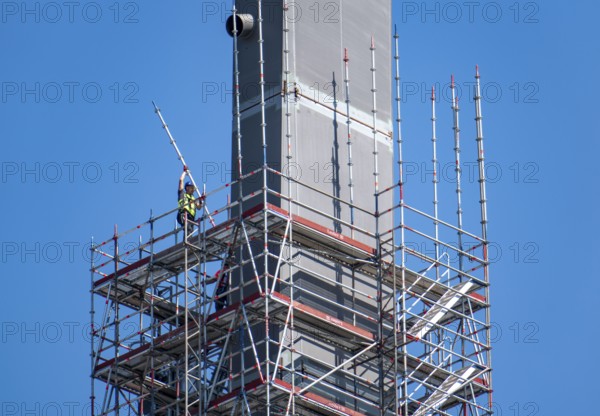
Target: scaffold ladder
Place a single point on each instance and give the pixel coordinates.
(449, 386)
(435, 314)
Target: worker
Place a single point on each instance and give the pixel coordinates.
(223, 282)
(187, 203)
(222, 286)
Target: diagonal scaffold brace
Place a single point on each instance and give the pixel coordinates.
(180, 157)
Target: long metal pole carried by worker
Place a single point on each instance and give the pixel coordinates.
(180, 157)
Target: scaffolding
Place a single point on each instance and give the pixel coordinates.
(220, 320)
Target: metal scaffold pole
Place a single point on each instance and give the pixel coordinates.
(435, 181)
(378, 250)
(92, 329)
(181, 159)
(349, 141)
(291, 405)
(263, 125)
(374, 111)
(484, 220)
(459, 213)
(153, 323)
(402, 405)
(240, 174)
(480, 156)
(202, 306)
(177, 322)
(117, 334)
(350, 161)
(186, 318)
(457, 170)
(237, 111)
(288, 91)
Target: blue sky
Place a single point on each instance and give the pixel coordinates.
(81, 150)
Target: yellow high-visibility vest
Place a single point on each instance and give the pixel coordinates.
(187, 203)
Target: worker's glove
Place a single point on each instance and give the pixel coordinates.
(185, 168)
